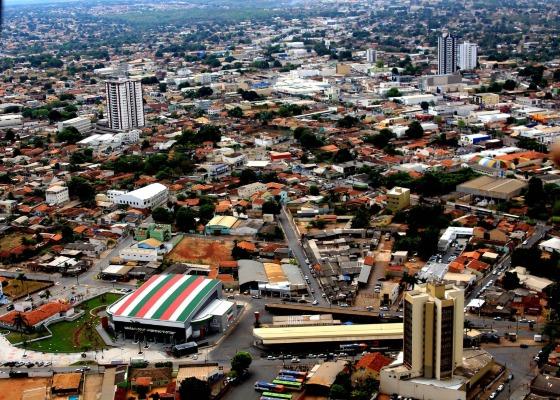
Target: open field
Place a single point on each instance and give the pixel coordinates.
(202, 251)
(11, 241)
(16, 288)
(78, 335)
(34, 388)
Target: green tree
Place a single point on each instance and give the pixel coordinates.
(206, 211)
(241, 361)
(393, 92)
(271, 207)
(247, 176)
(347, 122)
(510, 281)
(361, 218)
(415, 130)
(69, 135)
(162, 215)
(338, 392)
(185, 219)
(314, 190)
(81, 188)
(235, 112)
(194, 388)
(510, 84)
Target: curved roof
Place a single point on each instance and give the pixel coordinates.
(494, 163)
(333, 333)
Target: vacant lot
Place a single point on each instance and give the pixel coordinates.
(79, 335)
(202, 251)
(16, 288)
(12, 241)
(14, 389)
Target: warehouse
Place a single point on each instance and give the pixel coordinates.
(282, 280)
(492, 188)
(172, 308)
(146, 197)
(220, 225)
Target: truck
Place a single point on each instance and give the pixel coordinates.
(538, 338)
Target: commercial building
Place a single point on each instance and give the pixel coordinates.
(11, 121)
(125, 109)
(398, 198)
(453, 233)
(447, 54)
(486, 99)
(57, 195)
(468, 53)
(82, 124)
(148, 196)
(172, 308)
(492, 188)
(475, 138)
(246, 191)
(220, 225)
(434, 365)
(283, 280)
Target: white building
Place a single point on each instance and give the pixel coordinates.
(11, 121)
(57, 195)
(246, 191)
(453, 233)
(82, 124)
(371, 56)
(149, 196)
(468, 53)
(447, 54)
(138, 254)
(125, 109)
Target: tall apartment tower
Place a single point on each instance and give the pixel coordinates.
(371, 55)
(125, 109)
(433, 330)
(468, 53)
(447, 54)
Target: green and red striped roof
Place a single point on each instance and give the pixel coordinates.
(173, 297)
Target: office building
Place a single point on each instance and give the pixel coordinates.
(149, 196)
(433, 365)
(468, 53)
(57, 195)
(125, 109)
(447, 54)
(371, 55)
(398, 198)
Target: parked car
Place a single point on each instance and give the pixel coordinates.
(500, 388)
(295, 360)
(493, 395)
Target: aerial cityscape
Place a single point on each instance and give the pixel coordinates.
(291, 199)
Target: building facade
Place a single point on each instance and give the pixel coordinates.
(468, 53)
(148, 196)
(57, 195)
(82, 124)
(125, 109)
(398, 198)
(447, 54)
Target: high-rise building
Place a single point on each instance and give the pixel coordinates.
(433, 330)
(371, 55)
(125, 109)
(468, 53)
(447, 54)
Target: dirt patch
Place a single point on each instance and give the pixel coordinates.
(11, 241)
(16, 288)
(202, 251)
(34, 388)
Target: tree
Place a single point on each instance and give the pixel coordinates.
(535, 192)
(271, 207)
(415, 130)
(241, 362)
(347, 122)
(81, 188)
(210, 133)
(162, 215)
(425, 105)
(510, 84)
(235, 112)
(69, 135)
(314, 190)
(206, 211)
(510, 281)
(247, 176)
(338, 392)
(361, 218)
(310, 141)
(194, 388)
(239, 253)
(299, 131)
(204, 91)
(162, 87)
(185, 219)
(343, 155)
(10, 135)
(393, 92)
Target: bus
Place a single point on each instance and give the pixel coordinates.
(288, 384)
(289, 378)
(183, 349)
(272, 395)
(263, 386)
(297, 374)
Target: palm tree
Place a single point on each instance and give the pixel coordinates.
(20, 322)
(48, 294)
(22, 278)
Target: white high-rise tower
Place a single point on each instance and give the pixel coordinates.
(468, 53)
(447, 54)
(125, 109)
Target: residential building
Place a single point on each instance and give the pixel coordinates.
(398, 198)
(486, 99)
(125, 109)
(371, 56)
(447, 54)
(57, 195)
(468, 53)
(246, 191)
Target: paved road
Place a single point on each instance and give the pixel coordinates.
(294, 242)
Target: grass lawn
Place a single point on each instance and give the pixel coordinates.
(17, 337)
(76, 336)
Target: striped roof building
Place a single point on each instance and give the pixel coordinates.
(171, 299)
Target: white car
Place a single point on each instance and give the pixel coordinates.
(500, 388)
(315, 302)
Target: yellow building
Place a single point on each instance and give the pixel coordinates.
(486, 99)
(398, 198)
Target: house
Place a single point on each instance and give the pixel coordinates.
(372, 363)
(250, 189)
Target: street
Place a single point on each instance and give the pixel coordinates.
(294, 242)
